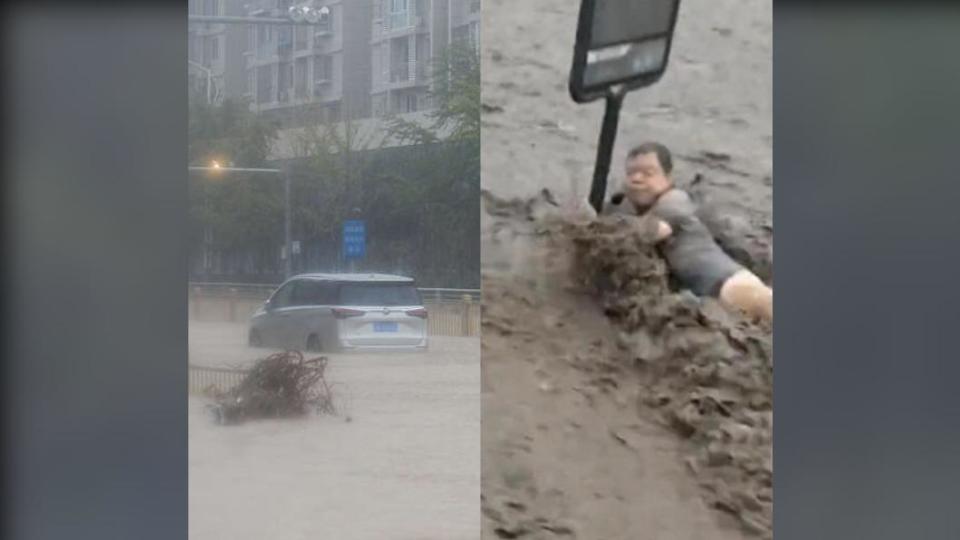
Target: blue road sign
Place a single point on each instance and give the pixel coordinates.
(354, 239)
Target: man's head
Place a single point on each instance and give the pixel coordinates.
(648, 173)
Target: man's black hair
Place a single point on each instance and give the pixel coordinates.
(663, 154)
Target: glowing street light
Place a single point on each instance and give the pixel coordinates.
(315, 16)
(306, 12)
(297, 13)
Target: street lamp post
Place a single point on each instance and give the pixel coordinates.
(209, 74)
(285, 174)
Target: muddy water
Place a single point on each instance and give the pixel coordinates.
(713, 106)
(614, 407)
(406, 465)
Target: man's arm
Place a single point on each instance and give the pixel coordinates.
(675, 211)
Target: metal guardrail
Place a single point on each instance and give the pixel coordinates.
(203, 379)
(263, 290)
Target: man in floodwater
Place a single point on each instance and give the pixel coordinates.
(692, 254)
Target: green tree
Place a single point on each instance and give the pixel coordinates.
(329, 181)
(442, 188)
(237, 210)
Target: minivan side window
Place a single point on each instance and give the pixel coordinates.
(282, 297)
(379, 294)
(313, 293)
(329, 293)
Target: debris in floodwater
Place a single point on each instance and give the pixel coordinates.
(282, 385)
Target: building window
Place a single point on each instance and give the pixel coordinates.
(322, 68)
(284, 82)
(284, 38)
(211, 7)
(327, 24)
(264, 34)
(301, 37)
(399, 16)
(265, 84)
(207, 51)
(405, 103)
(301, 79)
(250, 82)
(399, 59)
(215, 48)
(251, 39)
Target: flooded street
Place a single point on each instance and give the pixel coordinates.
(405, 465)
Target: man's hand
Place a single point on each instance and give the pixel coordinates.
(651, 230)
(664, 230)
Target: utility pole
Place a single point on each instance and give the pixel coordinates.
(286, 224)
(209, 73)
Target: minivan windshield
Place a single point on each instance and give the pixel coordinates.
(379, 294)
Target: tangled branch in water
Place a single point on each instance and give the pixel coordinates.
(282, 385)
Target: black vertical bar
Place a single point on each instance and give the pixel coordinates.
(608, 134)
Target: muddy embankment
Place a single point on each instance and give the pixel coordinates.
(614, 406)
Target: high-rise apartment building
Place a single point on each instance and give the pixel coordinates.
(215, 51)
(367, 58)
(407, 37)
(304, 73)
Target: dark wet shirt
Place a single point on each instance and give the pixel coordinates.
(692, 254)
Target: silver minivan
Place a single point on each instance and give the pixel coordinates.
(342, 312)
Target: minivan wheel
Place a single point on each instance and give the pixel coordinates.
(254, 339)
(313, 343)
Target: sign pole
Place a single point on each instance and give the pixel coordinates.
(608, 135)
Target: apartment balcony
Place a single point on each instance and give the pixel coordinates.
(285, 49)
(322, 86)
(207, 28)
(321, 38)
(407, 75)
(403, 23)
(324, 42)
